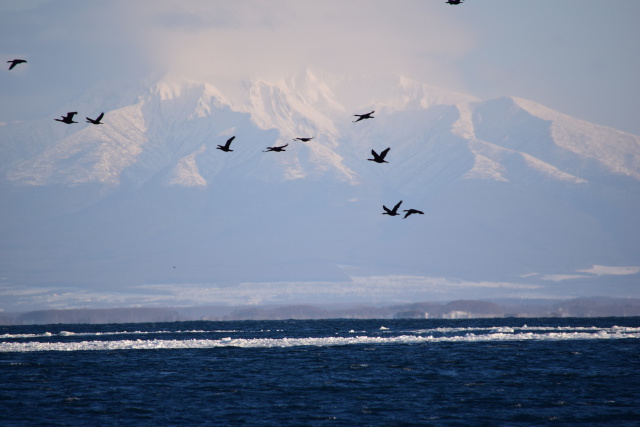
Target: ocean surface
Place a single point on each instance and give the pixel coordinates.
(324, 372)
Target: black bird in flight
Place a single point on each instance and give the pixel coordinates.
(363, 116)
(225, 147)
(303, 139)
(379, 158)
(68, 119)
(278, 149)
(391, 212)
(15, 62)
(97, 120)
(454, 1)
(412, 211)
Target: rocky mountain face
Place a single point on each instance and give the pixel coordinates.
(509, 188)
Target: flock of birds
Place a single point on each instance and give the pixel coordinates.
(68, 119)
(378, 158)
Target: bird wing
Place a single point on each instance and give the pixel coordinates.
(386, 209)
(384, 152)
(229, 141)
(374, 154)
(71, 114)
(412, 211)
(100, 117)
(395, 208)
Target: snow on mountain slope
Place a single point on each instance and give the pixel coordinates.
(432, 134)
(96, 153)
(571, 145)
(618, 151)
(186, 172)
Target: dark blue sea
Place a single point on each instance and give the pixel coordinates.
(324, 372)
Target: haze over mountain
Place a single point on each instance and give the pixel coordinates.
(519, 200)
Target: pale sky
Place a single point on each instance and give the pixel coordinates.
(577, 56)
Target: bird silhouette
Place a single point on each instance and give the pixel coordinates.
(68, 119)
(225, 147)
(454, 1)
(277, 149)
(412, 211)
(15, 62)
(303, 139)
(97, 120)
(363, 116)
(391, 212)
(379, 158)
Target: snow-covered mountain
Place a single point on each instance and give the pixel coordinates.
(509, 188)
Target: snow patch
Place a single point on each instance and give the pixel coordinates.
(550, 171)
(464, 125)
(186, 173)
(486, 168)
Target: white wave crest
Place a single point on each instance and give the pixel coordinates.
(78, 334)
(494, 334)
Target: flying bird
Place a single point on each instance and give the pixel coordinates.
(363, 116)
(454, 1)
(225, 147)
(277, 149)
(379, 158)
(97, 120)
(412, 211)
(303, 139)
(391, 212)
(15, 62)
(68, 119)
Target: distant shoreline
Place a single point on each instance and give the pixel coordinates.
(459, 309)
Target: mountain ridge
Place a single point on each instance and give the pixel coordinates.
(508, 187)
(270, 108)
